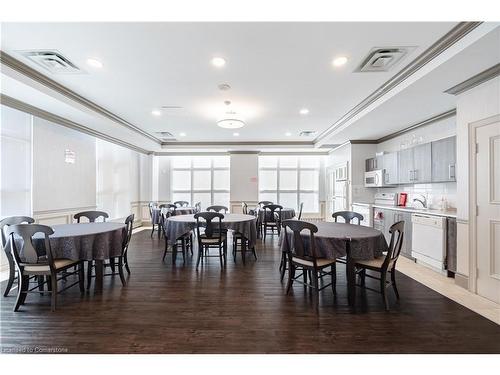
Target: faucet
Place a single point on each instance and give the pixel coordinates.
(423, 201)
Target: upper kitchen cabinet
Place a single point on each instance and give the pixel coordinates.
(405, 167)
(415, 164)
(374, 164)
(390, 165)
(444, 160)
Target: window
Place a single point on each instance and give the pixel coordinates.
(290, 180)
(202, 179)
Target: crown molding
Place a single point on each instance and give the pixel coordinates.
(20, 67)
(474, 81)
(451, 37)
(24, 107)
(243, 143)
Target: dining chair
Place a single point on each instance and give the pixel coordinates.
(197, 207)
(4, 224)
(212, 237)
(152, 206)
(261, 204)
(272, 219)
(244, 208)
(348, 216)
(384, 264)
(30, 263)
(185, 241)
(306, 259)
(92, 216)
(301, 207)
(181, 203)
(216, 208)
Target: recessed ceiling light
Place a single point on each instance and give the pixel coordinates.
(339, 61)
(230, 123)
(304, 111)
(218, 62)
(236, 134)
(156, 112)
(94, 63)
(182, 134)
(288, 134)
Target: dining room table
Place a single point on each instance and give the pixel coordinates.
(96, 242)
(338, 240)
(286, 214)
(178, 225)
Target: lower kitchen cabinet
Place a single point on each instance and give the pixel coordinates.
(384, 223)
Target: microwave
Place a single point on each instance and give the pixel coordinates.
(375, 178)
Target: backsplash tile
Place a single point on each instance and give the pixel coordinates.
(433, 193)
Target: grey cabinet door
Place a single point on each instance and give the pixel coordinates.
(405, 166)
(444, 160)
(422, 165)
(390, 164)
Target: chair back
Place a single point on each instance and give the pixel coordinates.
(299, 248)
(150, 206)
(218, 209)
(129, 222)
(212, 230)
(301, 207)
(348, 216)
(270, 213)
(91, 215)
(181, 203)
(397, 234)
(197, 207)
(244, 208)
(12, 220)
(163, 218)
(26, 254)
(261, 204)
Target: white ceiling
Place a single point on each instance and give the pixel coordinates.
(274, 70)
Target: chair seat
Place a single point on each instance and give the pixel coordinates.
(321, 262)
(271, 223)
(58, 264)
(374, 263)
(210, 241)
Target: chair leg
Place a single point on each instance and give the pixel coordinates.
(89, 274)
(81, 277)
(12, 275)
(200, 254)
(314, 275)
(184, 251)
(165, 251)
(174, 253)
(291, 275)
(362, 277)
(40, 280)
(21, 291)
(384, 291)
(120, 271)
(191, 243)
(304, 277)
(254, 253)
(53, 297)
(126, 263)
(265, 232)
(152, 230)
(112, 265)
(334, 278)
(283, 268)
(393, 282)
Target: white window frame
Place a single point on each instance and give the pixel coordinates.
(193, 191)
(297, 191)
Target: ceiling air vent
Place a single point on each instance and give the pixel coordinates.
(307, 133)
(383, 59)
(53, 61)
(165, 136)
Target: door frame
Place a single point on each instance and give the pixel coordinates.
(473, 126)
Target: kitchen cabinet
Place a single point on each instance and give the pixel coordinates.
(405, 166)
(385, 218)
(390, 165)
(444, 159)
(415, 164)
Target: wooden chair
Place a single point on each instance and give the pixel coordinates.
(348, 216)
(261, 204)
(385, 264)
(218, 209)
(197, 207)
(122, 260)
(181, 204)
(151, 206)
(272, 219)
(307, 261)
(212, 237)
(29, 263)
(185, 241)
(244, 208)
(301, 207)
(4, 224)
(92, 216)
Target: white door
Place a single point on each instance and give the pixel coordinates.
(330, 199)
(488, 211)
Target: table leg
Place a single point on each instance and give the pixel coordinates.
(98, 275)
(351, 276)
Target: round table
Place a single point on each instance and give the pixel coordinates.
(336, 240)
(85, 241)
(155, 212)
(178, 225)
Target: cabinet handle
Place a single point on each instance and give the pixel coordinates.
(415, 178)
(451, 171)
(409, 175)
(386, 177)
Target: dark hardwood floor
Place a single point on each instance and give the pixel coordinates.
(241, 309)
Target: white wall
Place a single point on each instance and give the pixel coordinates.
(57, 185)
(474, 105)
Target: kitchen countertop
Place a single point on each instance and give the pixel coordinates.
(447, 213)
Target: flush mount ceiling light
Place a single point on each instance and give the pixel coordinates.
(218, 62)
(288, 134)
(156, 112)
(230, 123)
(339, 61)
(182, 134)
(94, 63)
(236, 134)
(304, 111)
